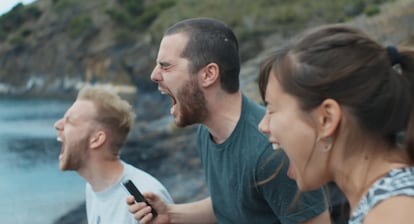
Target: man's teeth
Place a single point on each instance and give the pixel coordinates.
(59, 139)
(275, 146)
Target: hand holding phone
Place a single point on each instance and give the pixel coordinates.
(133, 190)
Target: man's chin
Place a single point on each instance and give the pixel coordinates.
(63, 166)
(184, 119)
(179, 124)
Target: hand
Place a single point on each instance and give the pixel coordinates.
(142, 212)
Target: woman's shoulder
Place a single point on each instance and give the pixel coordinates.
(397, 185)
(397, 209)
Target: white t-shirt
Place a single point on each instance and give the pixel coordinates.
(110, 207)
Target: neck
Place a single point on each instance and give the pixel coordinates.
(360, 171)
(101, 174)
(224, 113)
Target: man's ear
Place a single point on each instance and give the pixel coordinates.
(97, 140)
(329, 117)
(210, 75)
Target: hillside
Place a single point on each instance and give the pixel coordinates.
(51, 47)
(392, 26)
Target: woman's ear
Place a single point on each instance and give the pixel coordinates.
(210, 75)
(329, 117)
(97, 140)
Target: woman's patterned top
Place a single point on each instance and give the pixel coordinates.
(397, 182)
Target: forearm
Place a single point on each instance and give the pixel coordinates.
(195, 212)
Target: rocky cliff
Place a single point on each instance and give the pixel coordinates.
(51, 47)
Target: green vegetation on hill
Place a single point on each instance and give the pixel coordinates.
(135, 15)
(79, 24)
(249, 19)
(252, 20)
(15, 18)
(116, 41)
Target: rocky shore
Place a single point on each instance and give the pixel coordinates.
(170, 153)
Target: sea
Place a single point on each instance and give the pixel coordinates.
(32, 188)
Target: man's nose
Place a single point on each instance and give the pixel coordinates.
(58, 124)
(156, 74)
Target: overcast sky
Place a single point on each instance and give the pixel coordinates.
(6, 5)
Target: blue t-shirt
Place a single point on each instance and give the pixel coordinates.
(397, 182)
(234, 168)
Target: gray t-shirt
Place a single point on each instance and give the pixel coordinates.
(234, 168)
(109, 206)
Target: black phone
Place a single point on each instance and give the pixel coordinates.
(133, 190)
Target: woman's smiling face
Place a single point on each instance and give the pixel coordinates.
(293, 130)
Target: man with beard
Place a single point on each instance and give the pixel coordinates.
(92, 133)
(198, 67)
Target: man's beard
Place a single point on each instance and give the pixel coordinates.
(76, 155)
(193, 108)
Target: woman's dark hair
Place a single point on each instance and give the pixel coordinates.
(342, 63)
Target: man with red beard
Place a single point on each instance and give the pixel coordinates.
(92, 133)
(198, 66)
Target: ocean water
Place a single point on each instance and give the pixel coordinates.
(32, 188)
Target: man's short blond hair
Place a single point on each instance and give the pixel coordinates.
(115, 114)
